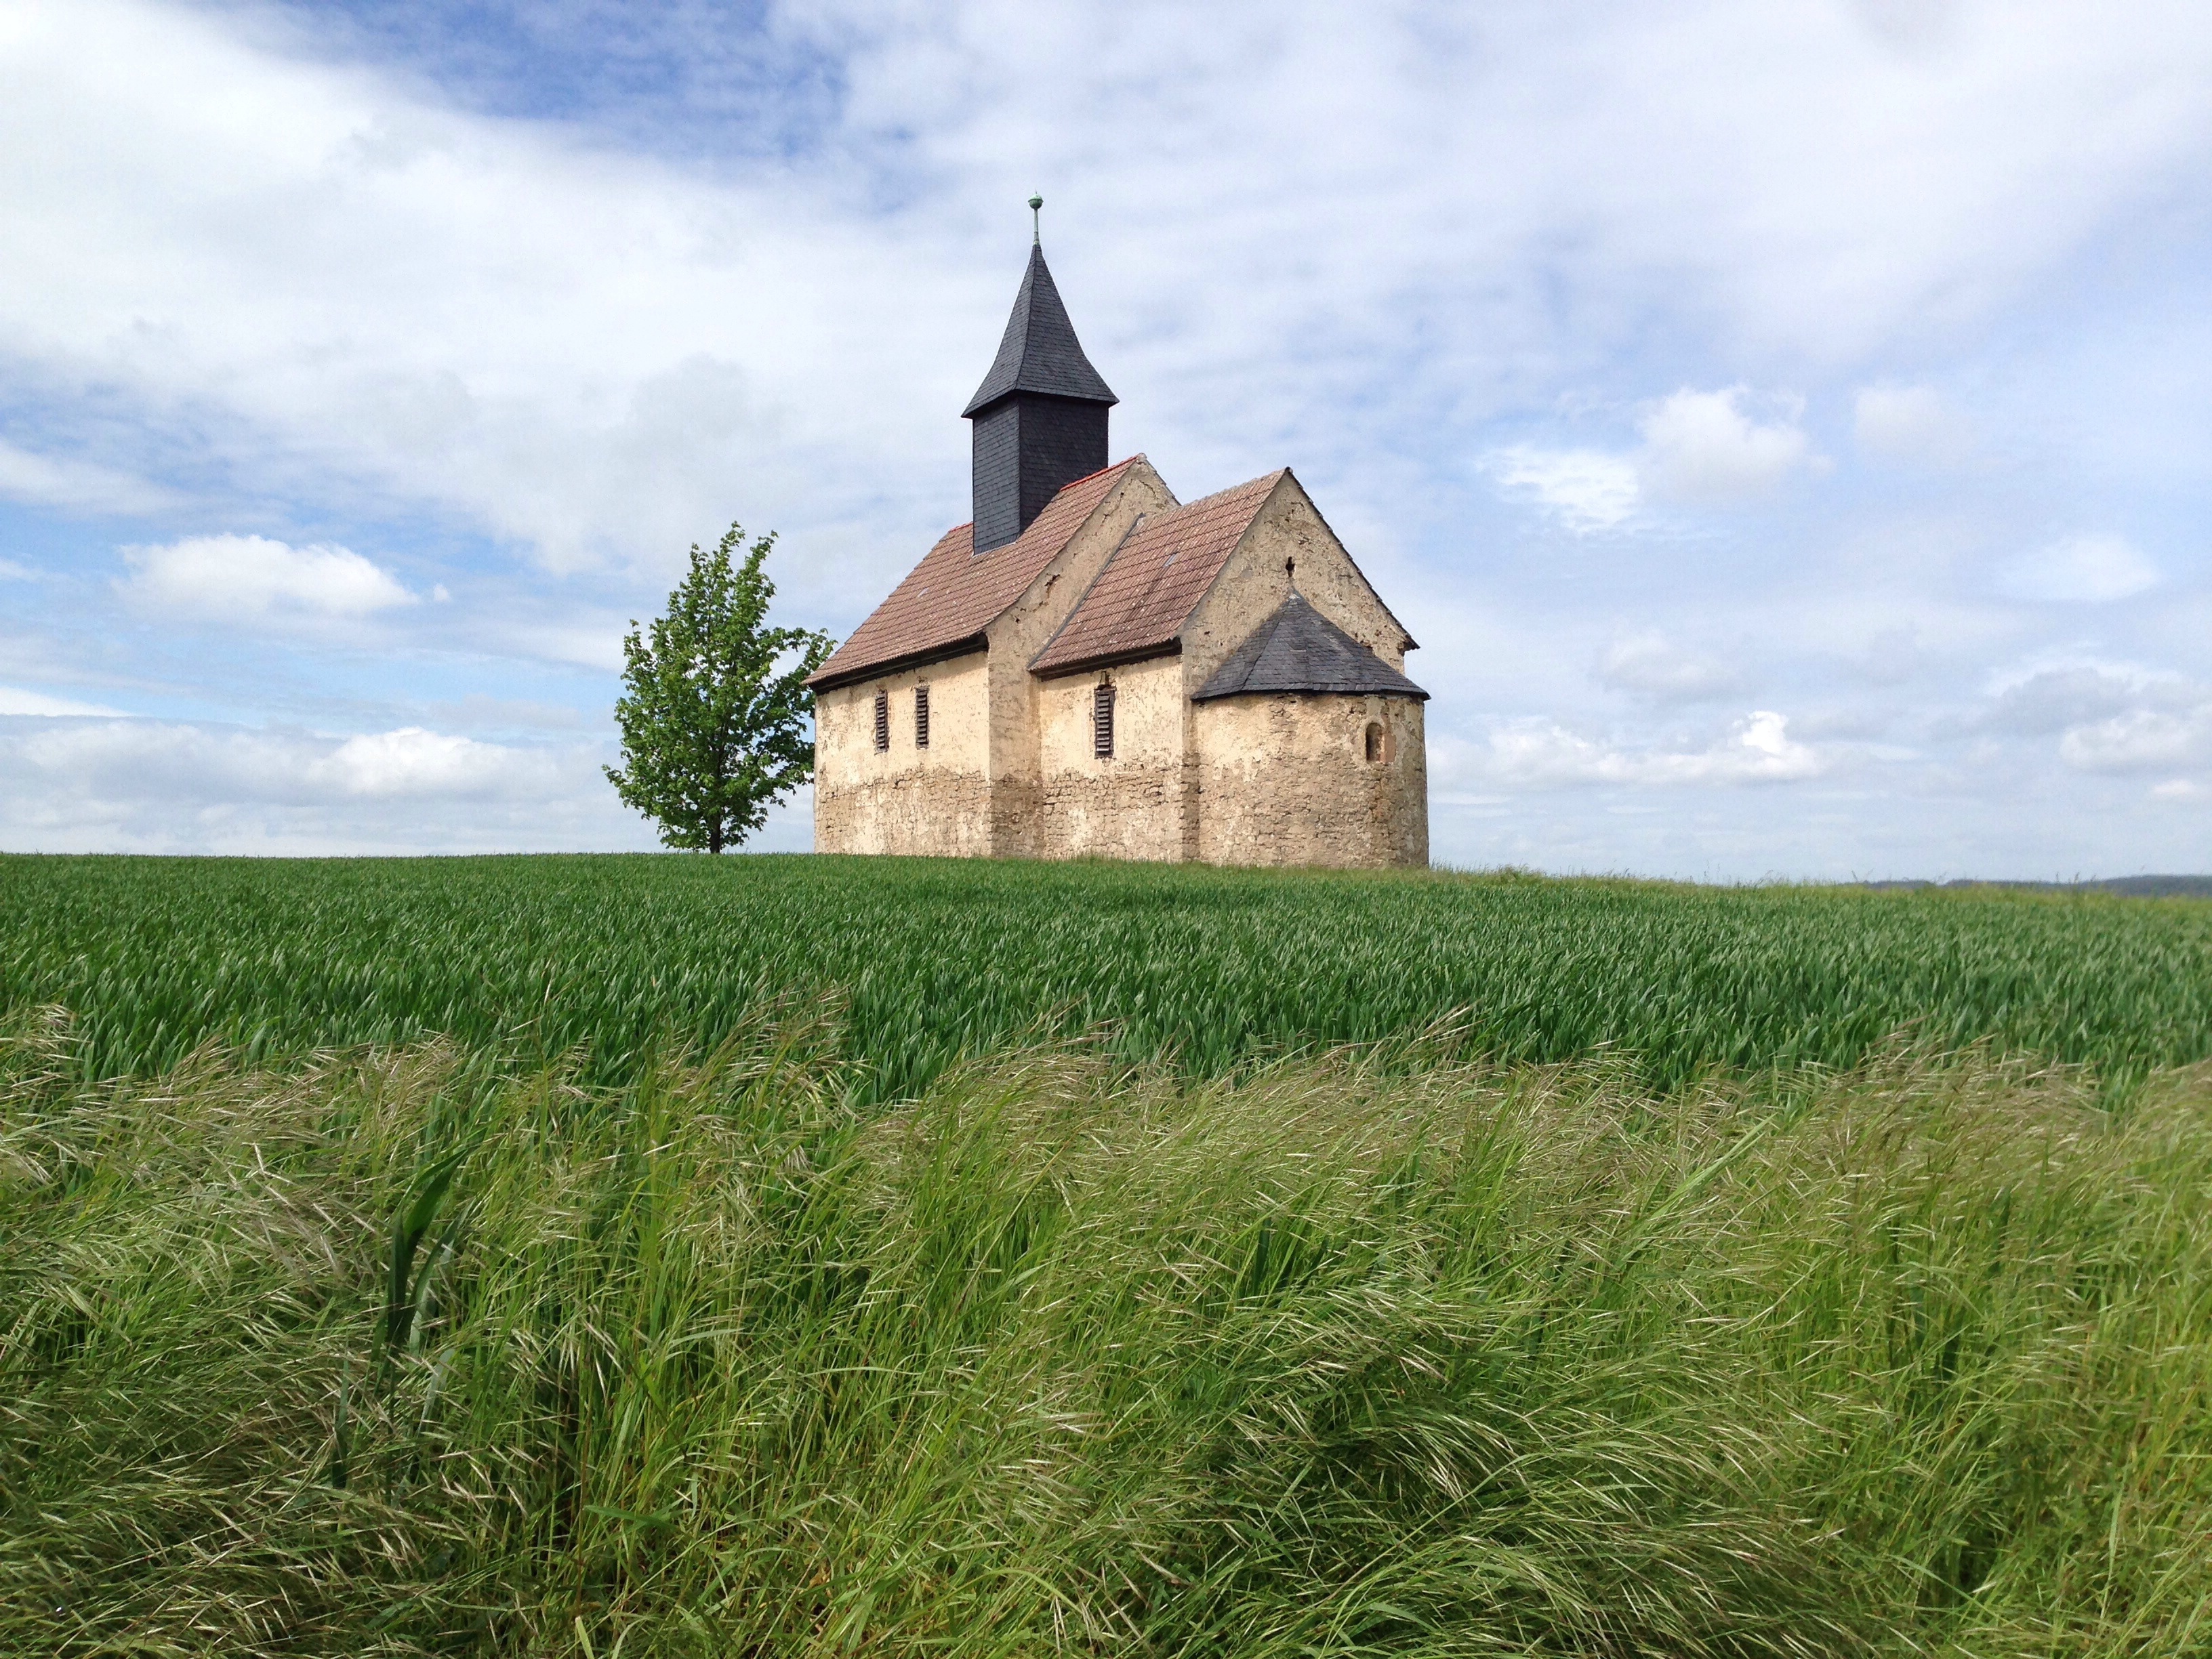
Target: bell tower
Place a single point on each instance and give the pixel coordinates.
(1040, 415)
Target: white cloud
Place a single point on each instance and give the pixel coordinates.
(1647, 665)
(1703, 448)
(1586, 490)
(234, 257)
(411, 761)
(2109, 717)
(1542, 753)
(584, 643)
(1707, 446)
(131, 760)
(185, 787)
(2080, 570)
(232, 578)
(177, 786)
(2050, 699)
(329, 281)
(15, 701)
(588, 351)
(2140, 740)
(60, 481)
(1914, 424)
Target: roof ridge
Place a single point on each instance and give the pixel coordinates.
(1138, 606)
(1116, 467)
(1269, 478)
(1111, 466)
(1097, 576)
(1275, 482)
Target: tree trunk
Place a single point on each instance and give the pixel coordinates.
(715, 815)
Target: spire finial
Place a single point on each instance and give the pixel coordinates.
(1037, 221)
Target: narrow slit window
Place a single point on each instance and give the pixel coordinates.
(882, 720)
(922, 717)
(1102, 722)
(1378, 743)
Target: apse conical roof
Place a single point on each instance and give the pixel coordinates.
(1298, 649)
(1039, 352)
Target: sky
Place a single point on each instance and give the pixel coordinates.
(1785, 425)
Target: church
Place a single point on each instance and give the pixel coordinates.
(1094, 668)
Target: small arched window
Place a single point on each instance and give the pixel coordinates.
(1378, 743)
(883, 721)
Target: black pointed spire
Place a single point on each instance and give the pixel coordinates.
(1040, 414)
(1039, 351)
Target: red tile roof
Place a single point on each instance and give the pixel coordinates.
(1155, 580)
(953, 595)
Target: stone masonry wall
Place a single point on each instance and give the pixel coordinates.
(1285, 780)
(906, 800)
(1010, 769)
(1018, 698)
(1133, 806)
(1252, 583)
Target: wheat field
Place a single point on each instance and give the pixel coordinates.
(826, 1316)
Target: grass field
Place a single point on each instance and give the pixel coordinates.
(607, 1257)
(937, 959)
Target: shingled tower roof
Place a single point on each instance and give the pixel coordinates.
(1298, 649)
(1039, 351)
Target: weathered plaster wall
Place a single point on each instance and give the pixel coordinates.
(1285, 780)
(1133, 806)
(905, 800)
(1253, 582)
(1018, 698)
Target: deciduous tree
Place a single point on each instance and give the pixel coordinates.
(715, 712)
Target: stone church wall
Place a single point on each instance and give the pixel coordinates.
(1010, 769)
(1252, 583)
(1130, 806)
(1285, 780)
(1018, 698)
(908, 800)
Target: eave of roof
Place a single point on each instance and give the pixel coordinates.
(1298, 651)
(822, 680)
(1137, 605)
(1109, 659)
(955, 593)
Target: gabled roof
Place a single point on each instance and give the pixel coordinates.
(947, 601)
(1039, 351)
(1154, 580)
(1298, 649)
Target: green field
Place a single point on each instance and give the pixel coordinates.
(668, 1257)
(938, 959)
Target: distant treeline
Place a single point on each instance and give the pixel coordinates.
(2125, 886)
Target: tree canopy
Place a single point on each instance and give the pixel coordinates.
(715, 712)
